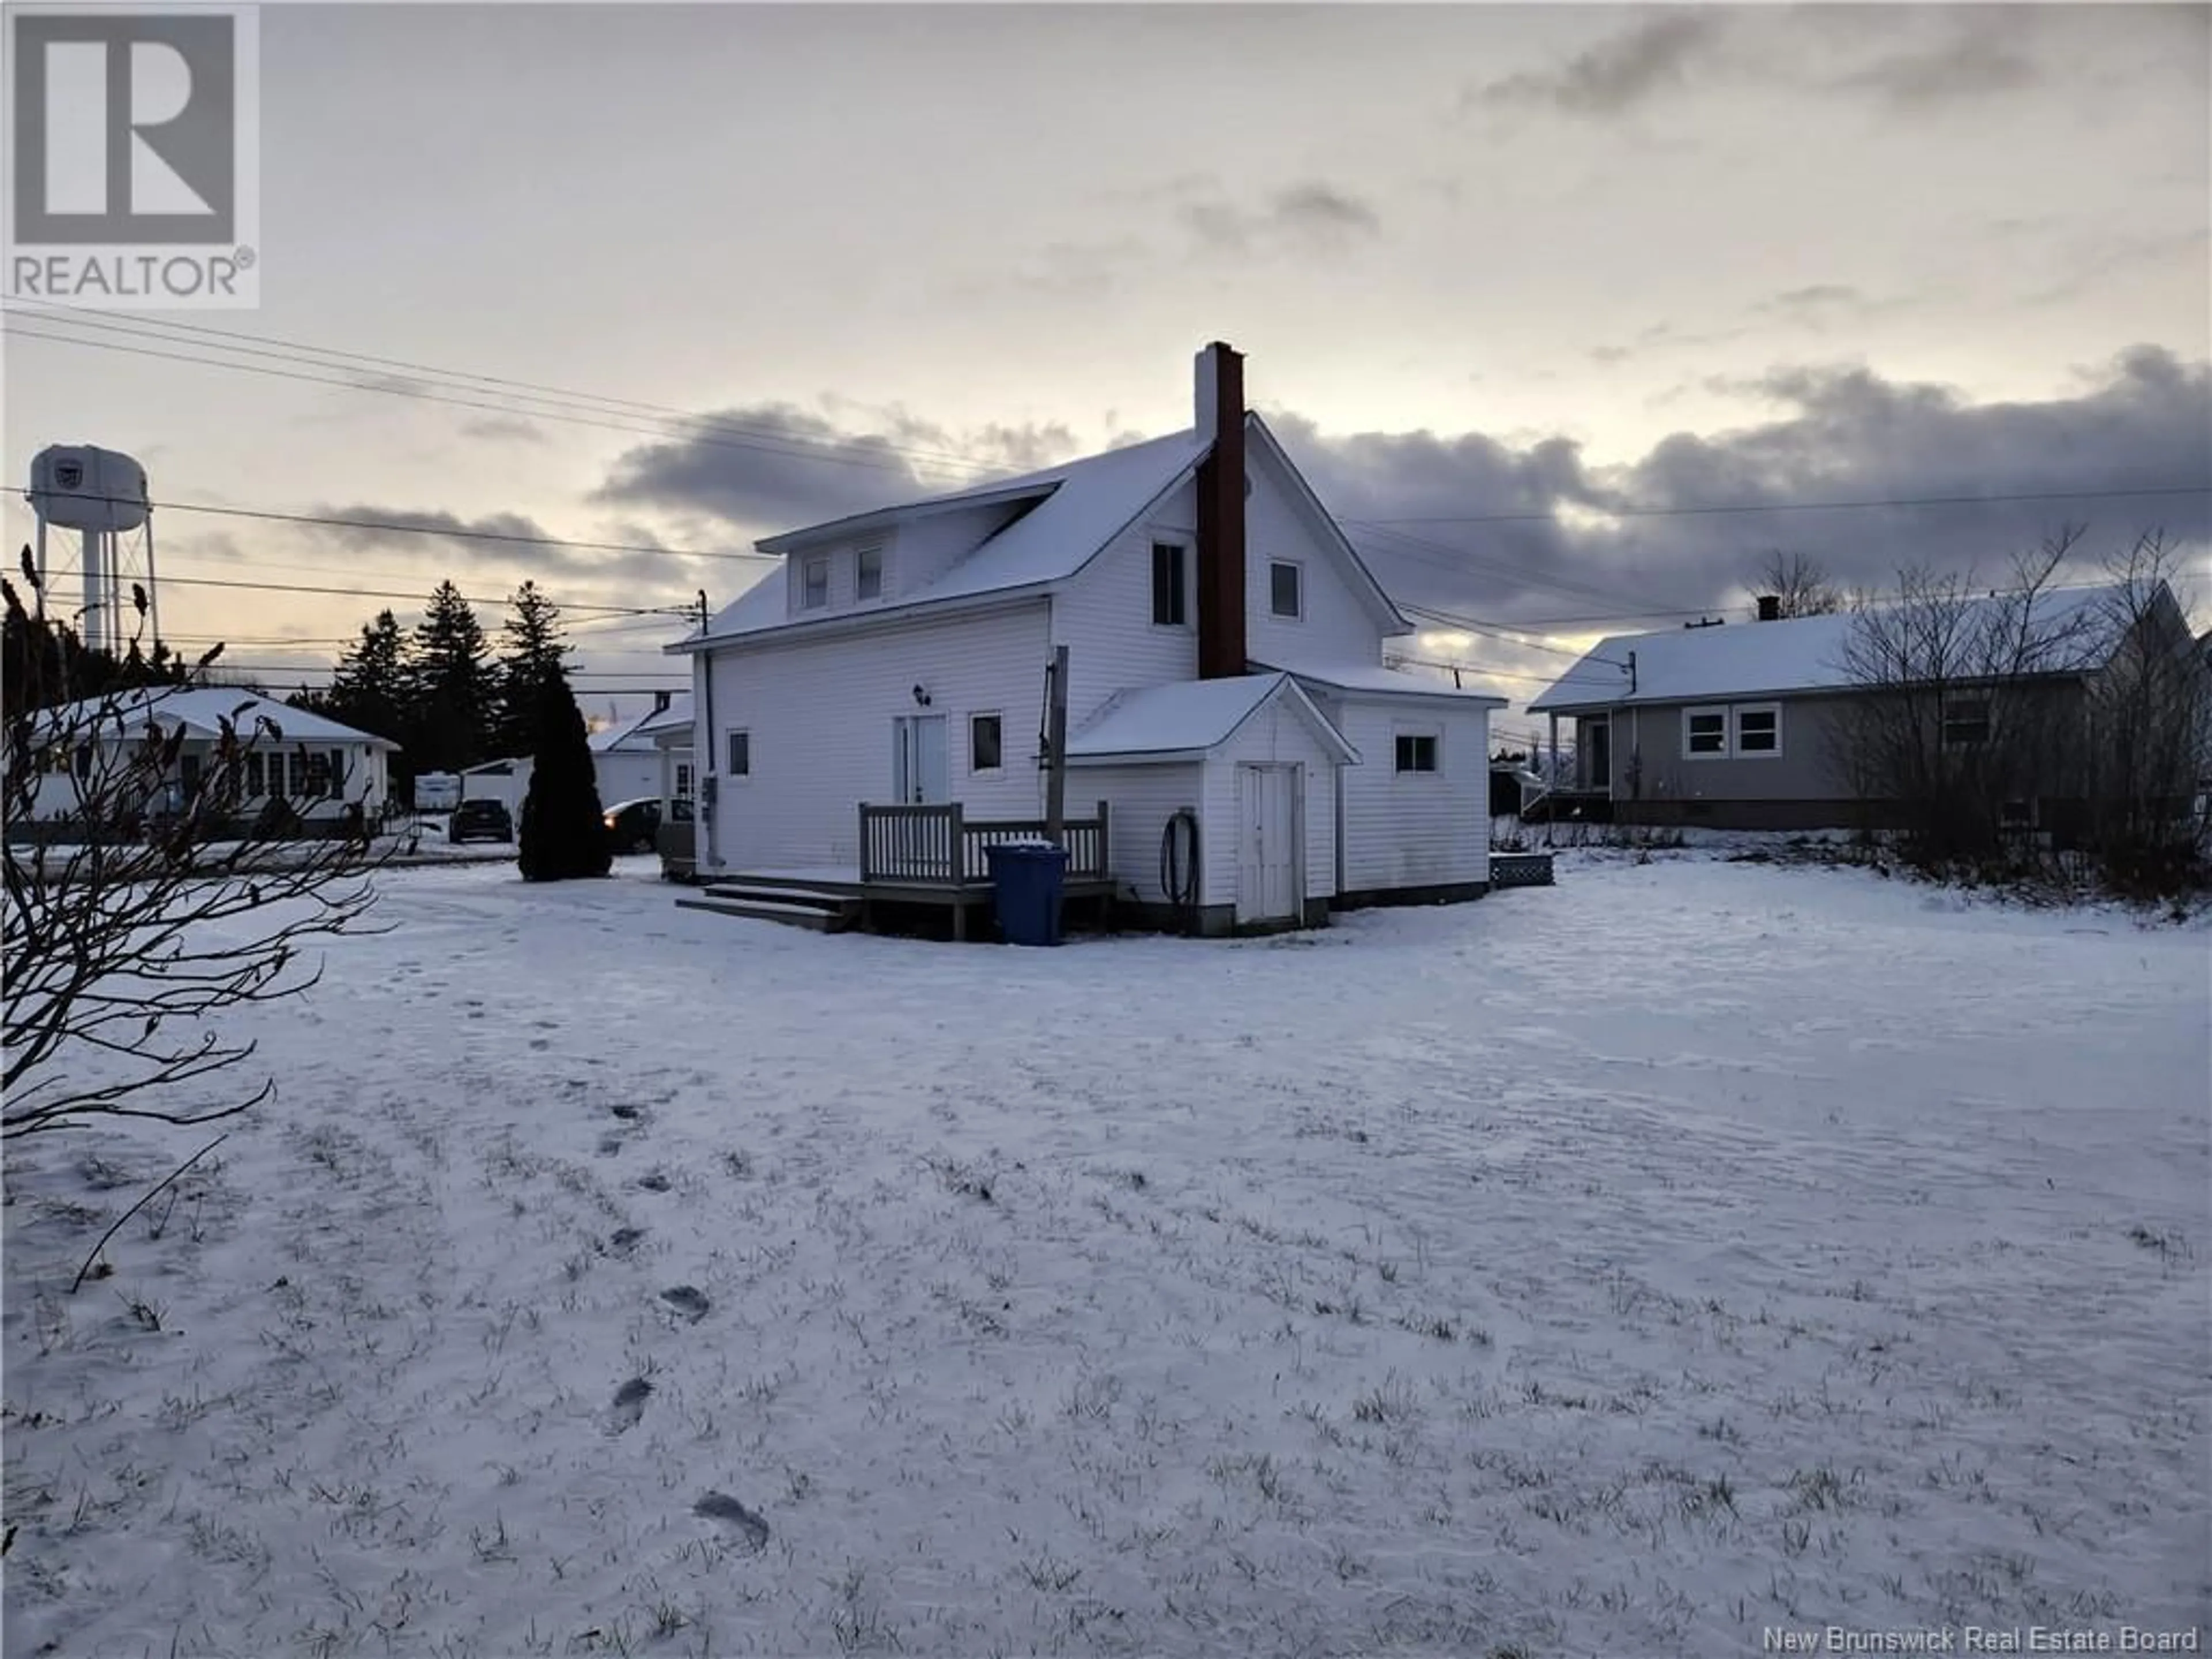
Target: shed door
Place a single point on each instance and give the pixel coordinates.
(1269, 862)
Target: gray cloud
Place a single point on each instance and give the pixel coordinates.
(506, 541)
(805, 468)
(1308, 217)
(1836, 436)
(1654, 56)
(1986, 52)
(504, 428)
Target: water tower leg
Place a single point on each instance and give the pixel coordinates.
(92, 594)
(153, 587)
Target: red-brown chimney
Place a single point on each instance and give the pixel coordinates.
(1221, 412)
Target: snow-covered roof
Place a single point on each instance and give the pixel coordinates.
(1081, 505)
(1078, 508)
(674, 720)
(1373, 678)
(635, 735)
(201, 711)
(1759, 659)
(1186, 718)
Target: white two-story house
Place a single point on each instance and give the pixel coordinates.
(1237, 755)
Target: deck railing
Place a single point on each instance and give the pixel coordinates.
(939, 846)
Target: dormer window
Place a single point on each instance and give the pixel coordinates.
(1285, 589)
(868, 573)
(814, 584)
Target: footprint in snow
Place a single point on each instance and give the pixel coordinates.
(630, 1406)
(690, 1303)
(655, 1182)
(750, 1529)
(626, 1112)
(541, 1043)
(624, 1239)
(610, 1145)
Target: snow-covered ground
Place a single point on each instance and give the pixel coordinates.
(1623, 1267)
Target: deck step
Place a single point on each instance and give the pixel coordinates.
(758, 910)
(774, 893)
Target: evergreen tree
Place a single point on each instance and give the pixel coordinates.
(450, 685)
(564, 833)
(533, 657)
(369, 691)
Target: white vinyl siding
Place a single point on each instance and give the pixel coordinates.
(1419, 829)
(820, 713)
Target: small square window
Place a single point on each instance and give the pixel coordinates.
(984, 745)
(868, 573)
(1167, 584)
(1285, 596)
(814, 584)
(1705, 731)
(1417, 753)
(741, 754)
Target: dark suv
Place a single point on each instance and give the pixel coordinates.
(634, 825)
(480, 820)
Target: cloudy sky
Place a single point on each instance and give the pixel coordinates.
(1517, 284)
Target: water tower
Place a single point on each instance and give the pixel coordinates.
(101, 495)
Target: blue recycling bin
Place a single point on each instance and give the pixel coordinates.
(1027, 881)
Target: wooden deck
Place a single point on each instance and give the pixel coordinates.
(918, 857)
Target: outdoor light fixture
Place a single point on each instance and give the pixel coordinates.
(921, 696)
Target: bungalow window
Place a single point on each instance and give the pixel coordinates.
(814, 584)
(1285, 593)
(741, 754)
(1704, 733)
(1167, 584)
(1417, 751)
(984, 744)
(1966, 723)
(255, 784)
(1759, 729)
(318, 783)
(868, 573)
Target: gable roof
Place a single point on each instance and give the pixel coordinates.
(1066, 516)
(1761, 658)
(1183, 719)
(635, 735)
(201, 712)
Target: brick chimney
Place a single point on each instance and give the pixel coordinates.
(1220, 417)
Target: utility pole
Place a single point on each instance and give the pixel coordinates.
(703, 611)
(1055, 749)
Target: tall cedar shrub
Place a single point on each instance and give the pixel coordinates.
(564, 834)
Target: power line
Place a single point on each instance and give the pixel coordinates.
(394, 389)
(298, 351)
(394, 528)
(1474, 625)
(382, 593)
(1461, 561)
(1799, 506)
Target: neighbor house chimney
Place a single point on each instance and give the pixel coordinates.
(660, 701)
(1220, 418)
(1770, 607)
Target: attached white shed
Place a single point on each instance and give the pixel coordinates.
(1249, 764)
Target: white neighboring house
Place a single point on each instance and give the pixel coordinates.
(506, 781)
(318, 766)
(630, 762)
(872, 709)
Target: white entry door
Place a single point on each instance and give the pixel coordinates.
(921, 769)
(1270, 865)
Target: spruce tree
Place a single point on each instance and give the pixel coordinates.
(370, 691)
(533, 656)
(451, 686)
(564, 833)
